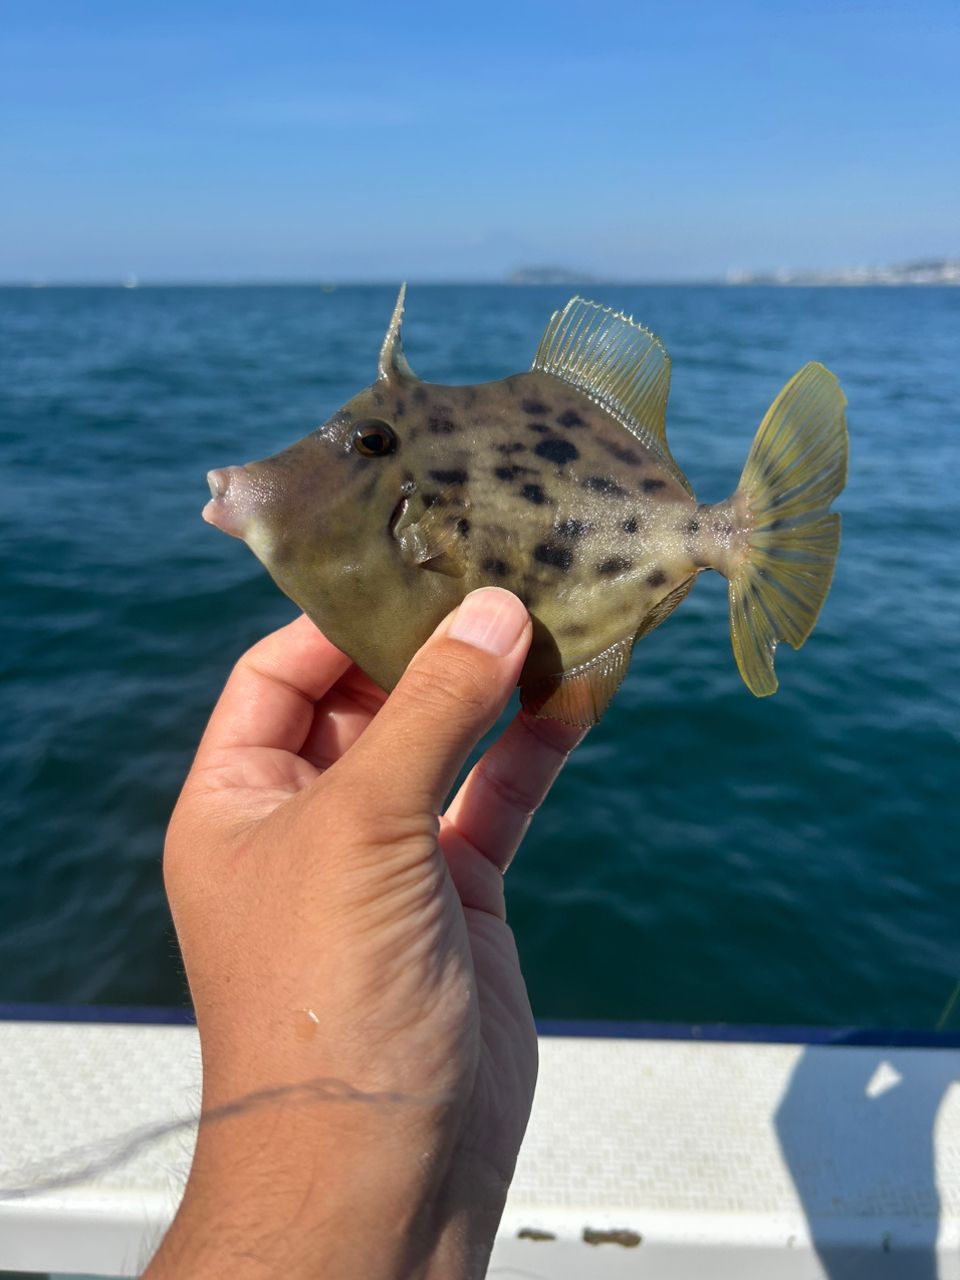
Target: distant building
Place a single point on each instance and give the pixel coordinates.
(935, 271)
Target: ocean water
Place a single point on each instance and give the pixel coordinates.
(705, 857)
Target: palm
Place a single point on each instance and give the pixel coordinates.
(507, 1064)
(261, 778)
(290, 723)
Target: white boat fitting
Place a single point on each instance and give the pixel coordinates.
(656, 1159)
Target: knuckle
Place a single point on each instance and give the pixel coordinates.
(524, 799)
(445, 679)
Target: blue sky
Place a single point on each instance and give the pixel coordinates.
(343, 140)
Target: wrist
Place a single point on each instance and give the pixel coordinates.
(333, 1189)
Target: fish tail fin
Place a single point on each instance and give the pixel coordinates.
(796, 467)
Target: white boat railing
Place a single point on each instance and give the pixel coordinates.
(659, 1159)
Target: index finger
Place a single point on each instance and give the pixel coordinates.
(268, 701)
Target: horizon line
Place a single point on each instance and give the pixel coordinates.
(200, 282)
(330, 286)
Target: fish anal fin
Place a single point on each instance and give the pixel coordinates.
(435, 540)
(579, 697)
(618, 364)
(663, 609)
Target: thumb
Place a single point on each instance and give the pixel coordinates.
(450, 695)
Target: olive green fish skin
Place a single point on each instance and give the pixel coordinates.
(560, 504)
(559, 485)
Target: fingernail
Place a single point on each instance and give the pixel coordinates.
(490, 619)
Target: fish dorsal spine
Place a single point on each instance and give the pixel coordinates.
(618, 364)
(393, 363)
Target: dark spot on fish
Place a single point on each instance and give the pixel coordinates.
(378, 397)
(511, 472)
(534, 406)
(693, 526)
(463, 526)
(433, 500)
(601, 484)
(656, 579)
(651, 485)
(570, 418)
(408, 487)
(534, 1233)
(559, 451)
(775, 524)
(441, 426)
(557, 557)
(541, 428)
(533, 493)
(724, 528)
(616, 564)
(574, 630)
(419, 395)
(498, 568)
(630, 526)
(514, 447)
(454, 476)
(622, 452)
(572, 528)
(400, 409)
(701, 564)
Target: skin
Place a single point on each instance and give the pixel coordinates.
(523, 483)
(369, 1056)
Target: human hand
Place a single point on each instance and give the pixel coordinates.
(369, 1054)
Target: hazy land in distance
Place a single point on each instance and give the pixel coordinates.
(927, 271)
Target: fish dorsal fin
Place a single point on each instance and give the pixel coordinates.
(618, 364)
(435, 540)
(393, 363)
(580, 697)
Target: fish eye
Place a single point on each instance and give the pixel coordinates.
(374, 439)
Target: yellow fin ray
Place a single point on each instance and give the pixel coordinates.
(434, 541)
(619, 364)
(796, 467)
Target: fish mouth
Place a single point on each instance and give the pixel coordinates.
(227, 509)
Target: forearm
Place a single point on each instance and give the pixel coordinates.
(331, 1195)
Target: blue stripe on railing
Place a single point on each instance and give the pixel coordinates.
(722, 1032)
(140, 1014)
(750, 1033)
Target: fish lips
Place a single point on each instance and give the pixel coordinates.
(231, 501)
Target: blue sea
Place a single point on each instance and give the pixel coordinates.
(705, 857)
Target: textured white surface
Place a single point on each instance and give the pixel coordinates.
(704, 1160)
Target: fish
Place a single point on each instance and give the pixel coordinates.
(558, 484)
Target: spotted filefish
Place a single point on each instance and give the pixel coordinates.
(558, 484)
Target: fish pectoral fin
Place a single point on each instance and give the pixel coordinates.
(579, 697)
(435, 540)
